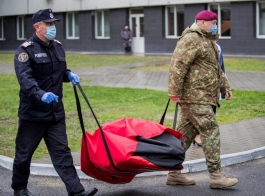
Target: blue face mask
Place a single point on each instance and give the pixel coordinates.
(213, 29)
(51, 32)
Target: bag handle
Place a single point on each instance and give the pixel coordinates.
(175, 115)
(83, 128)
(79, 110)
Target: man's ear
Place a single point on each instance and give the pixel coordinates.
(36, 26)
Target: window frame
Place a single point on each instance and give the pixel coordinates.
(2, 28)
(258, 36)
(219, 19)
(175, 36)
(73, 25)
(22, 26)
(102, 27)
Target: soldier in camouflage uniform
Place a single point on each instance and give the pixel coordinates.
(195, 82)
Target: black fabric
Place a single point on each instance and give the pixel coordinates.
(43, 71)
(128, 49)
(45, 15)
(28, 138)
(164, 150)
(214, 109)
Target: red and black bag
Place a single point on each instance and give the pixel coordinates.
(119, 150)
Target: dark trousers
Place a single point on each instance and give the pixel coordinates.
(54, 134)
(127, 45)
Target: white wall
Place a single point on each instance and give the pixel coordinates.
(13, 7)
(175, 2)
(105, 4)
(20, 7)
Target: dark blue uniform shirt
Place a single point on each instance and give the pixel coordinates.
(40, 68)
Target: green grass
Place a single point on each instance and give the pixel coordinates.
(7, 58)
(111, 104)
(91, 61)
(82, 60)
(231, 64)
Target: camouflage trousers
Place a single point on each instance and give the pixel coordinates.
(194, 119)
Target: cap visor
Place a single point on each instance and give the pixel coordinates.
(51, 20)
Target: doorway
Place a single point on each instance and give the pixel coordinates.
(137, 28)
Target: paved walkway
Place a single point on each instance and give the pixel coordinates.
(238, 138)
(125, 76)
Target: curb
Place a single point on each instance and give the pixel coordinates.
(189, 166)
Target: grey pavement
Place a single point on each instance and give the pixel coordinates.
(126, 76)
(250, 175)
(240, 141)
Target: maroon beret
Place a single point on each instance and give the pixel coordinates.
(206, 15)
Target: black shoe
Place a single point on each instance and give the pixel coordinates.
(89, 192)
(199, 144)
(22, 192)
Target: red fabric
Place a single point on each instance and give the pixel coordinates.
(206, 15)
(120, 136)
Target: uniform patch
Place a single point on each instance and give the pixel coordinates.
(40, 55)
(23, 57)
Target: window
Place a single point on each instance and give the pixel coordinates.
(72, 26)
(102, 27)
(2, 29)
(137, 10)
(174, 21)
(260, 20)
(223, 21)
(21, 28)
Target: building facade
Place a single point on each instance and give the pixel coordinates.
(95, 25)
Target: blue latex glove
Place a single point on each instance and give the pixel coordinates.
(73, 78)
(49, 97)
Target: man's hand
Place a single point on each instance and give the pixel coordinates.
(49, 97)
(73, 78)
(175, 99)
(229, 95)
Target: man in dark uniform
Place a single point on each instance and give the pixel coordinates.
(41, 70)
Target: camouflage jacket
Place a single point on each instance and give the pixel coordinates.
(195, 75)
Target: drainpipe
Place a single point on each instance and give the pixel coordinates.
(28, 6)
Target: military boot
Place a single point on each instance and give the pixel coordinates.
(219, 180)
(176, 177)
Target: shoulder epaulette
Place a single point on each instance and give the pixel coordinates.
(26, 44)
(57, 41)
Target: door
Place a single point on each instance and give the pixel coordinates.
(137, 28)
